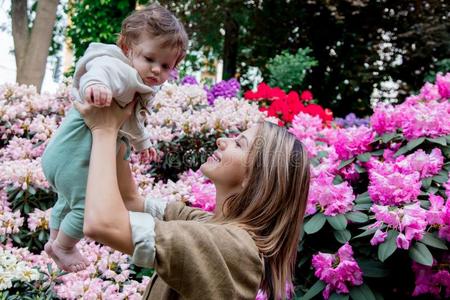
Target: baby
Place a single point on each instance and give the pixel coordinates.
(151, 43)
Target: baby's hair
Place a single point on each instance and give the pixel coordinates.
(156, 21)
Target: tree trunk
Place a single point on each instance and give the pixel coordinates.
(32, 47)
(230, 47)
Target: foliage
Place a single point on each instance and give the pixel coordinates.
(95, 21)
(441, 66)
(289, 70)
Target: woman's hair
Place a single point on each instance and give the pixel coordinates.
(272, 203)
(155, 21)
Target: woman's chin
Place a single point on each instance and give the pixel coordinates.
(206, 168)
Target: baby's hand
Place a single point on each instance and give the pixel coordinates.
(149, 155)
(98, 95)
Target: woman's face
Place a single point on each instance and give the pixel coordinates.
(226, 167)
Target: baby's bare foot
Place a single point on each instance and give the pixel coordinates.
(48, 249)
(70, 259)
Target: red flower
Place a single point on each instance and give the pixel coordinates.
(265, 92)
(306, 95)
(295, 106)
(280, 109)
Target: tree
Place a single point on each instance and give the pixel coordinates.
(216, 26)
(31, 44)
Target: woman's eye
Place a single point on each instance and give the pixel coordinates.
(149, 59)
(237, 144)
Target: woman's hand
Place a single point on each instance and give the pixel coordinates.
(105, 118)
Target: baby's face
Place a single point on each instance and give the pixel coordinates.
(153, 61)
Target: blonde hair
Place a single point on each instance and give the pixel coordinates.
(156, 21)
(272, 204)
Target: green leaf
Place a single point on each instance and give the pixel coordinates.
(366, 233)
(314, 290)
(19, 194)
(365, 157)
(321, 154)
(440, 178)
(362, 206)
(342, 236)
(360, 169)
(363, 198)
(372, 268)
(414, 143)
(357, 217)
(31, 190)
(17, 239)
(315, 223)
(426, 182)
(377, 152)
(336, 296)
(345, 163)
(401, 151)
(337, 180)
(362, 292)
(420, 253)
(388, 137)
(41, 236)
(439, 140)
(338, 222)
(431, 240)
(26, 208)
(388, 246)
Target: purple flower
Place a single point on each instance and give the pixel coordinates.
(189, 80)
(226, 88)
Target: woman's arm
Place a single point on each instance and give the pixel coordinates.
(106, 217)
(127, 185)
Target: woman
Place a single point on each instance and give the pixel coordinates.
(250, 242)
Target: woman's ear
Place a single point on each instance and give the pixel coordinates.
(244, 182)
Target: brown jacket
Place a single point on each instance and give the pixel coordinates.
(200, 260)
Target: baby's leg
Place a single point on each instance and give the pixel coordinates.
(66, 252)
(58, 212)
(71, 231)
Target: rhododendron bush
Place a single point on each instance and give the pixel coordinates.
(377, 222)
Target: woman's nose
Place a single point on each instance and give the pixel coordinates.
(220, 142)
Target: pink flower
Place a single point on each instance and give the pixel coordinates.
(402, 242)
(339, 271)
(432, 280)
(333, 199)
(38, 219)
(384, 119)
(306, 126)
(204, 196)
(378, 237)
(443, 85)
(435, 213)
(426, 164)
(410, 221)
(353, 141)
(430, 92)
(387, 186)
